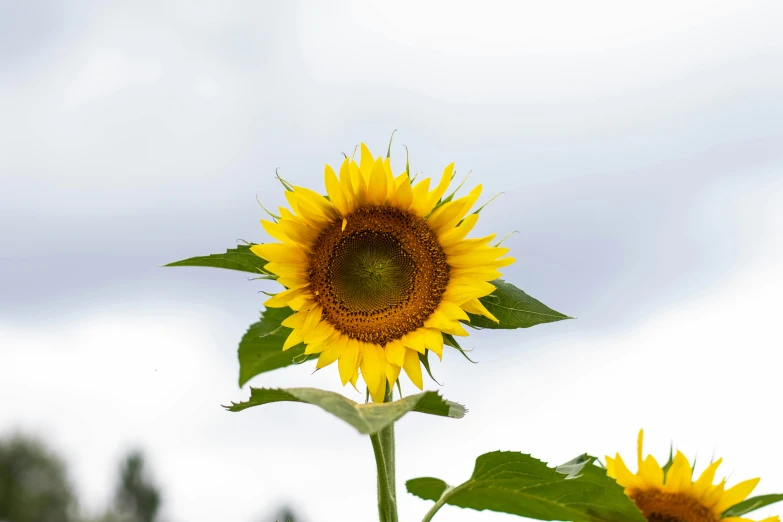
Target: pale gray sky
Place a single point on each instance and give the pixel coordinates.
(640, 150)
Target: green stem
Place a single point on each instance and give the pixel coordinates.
(439, 504)
(383, 447)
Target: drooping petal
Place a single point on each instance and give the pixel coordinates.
(433, 340)
(372, 367)
(395, 352)
(392, 372)
(414, 340)
(349, 359)
(412, 367)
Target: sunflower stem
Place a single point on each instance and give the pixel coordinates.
(383, 447)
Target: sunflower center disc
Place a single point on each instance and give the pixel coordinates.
(381, 277)
(661, 506)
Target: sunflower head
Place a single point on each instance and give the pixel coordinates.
(674, 496)
(379, 269)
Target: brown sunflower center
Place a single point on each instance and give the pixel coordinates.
(663, 506)
(381, 277)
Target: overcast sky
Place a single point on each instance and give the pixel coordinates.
(639, 149)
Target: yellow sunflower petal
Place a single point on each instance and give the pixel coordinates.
(478, 257)
(475, 273)
(303, 302)
(438, 192)
(286, 270)
(651, 472)
(617, 469)
(376, 188)
(294, 320)
(367, 161)
(312, 319)
(433, 340)
(463, 290)
(372, 367)
(318, 334)
(284, 298)
(419, 205)
(736, 494)
(302, 234)
(335, 192)
(392, 372)
(680, 474)
(448, 215)
(444, 324)
(704, 483)
(276, 252)
(331, 354)
(294, 338)
(468, 245)
(414, 340)
(274, 230)
(458, 233)
(474, 306)
(452, 311)
(347, 185)
(404, 194)
(359, 184)
(395, 352)
(412, 367)
(348, 359)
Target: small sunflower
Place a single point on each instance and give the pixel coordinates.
(673, 496)
(378, 271)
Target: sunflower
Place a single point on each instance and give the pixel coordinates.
(673, 496)
(378, 271)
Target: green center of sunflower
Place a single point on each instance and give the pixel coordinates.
(381, 277)
(372, 271)
(664, 506)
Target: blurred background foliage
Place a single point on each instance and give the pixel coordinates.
(35, 487)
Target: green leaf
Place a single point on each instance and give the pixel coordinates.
(518, 484)
(368, 419)
(261, 348)
(239, 258)
(752, 504)
(514, 309)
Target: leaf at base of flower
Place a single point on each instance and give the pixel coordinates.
(368, 419)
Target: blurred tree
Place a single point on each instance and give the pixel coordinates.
(137, 499)
(34, 485)
(285, 515)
